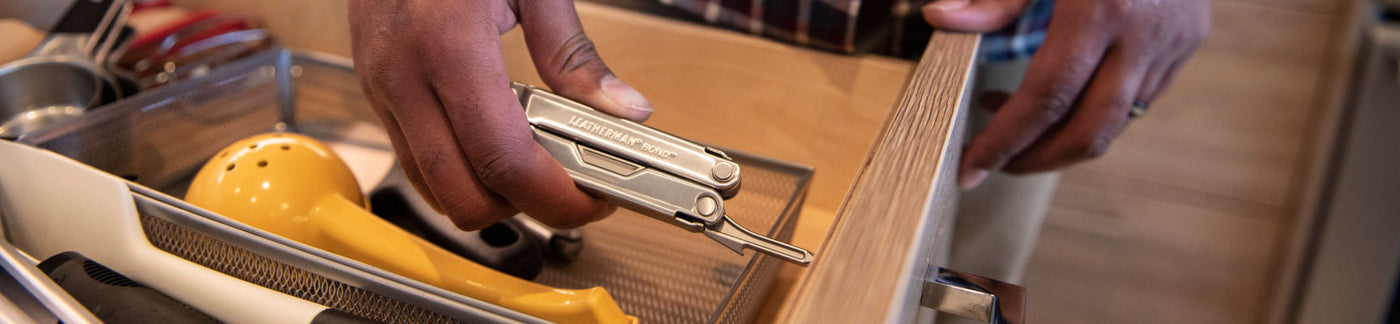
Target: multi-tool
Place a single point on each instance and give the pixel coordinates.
(646, 170)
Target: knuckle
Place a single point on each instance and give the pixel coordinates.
(470, 214)
(1050, 105)
(378, 74)
(380, 70)
(1190, 38)
(1089, 147)
(1203, 21)
(500, 169)
(1199, 34)
(1154, 32)
(576, 53)
(1117, 10)
(429, 163)
(464, 212)
(1115, 99)
(468, 220)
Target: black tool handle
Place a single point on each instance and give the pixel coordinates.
(114, 298)
(84, 17)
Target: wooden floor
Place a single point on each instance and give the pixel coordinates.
(1186, 219)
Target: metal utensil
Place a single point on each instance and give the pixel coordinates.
(56, 303)
(41, 93)
(63, 76)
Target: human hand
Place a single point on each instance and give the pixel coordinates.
(433, 71)
(1098, 58)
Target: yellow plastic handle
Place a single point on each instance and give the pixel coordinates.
(375, 241)
(293, 186)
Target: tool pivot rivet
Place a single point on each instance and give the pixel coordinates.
(724, 171)
(706, 206)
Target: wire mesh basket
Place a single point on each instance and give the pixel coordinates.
(657, 272)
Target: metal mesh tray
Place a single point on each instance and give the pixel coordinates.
(261, 258)
(656, 272)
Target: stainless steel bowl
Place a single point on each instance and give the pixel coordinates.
(41, 91)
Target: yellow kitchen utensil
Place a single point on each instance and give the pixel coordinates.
(296, 187)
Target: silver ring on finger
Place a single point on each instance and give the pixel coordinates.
(1138, 109)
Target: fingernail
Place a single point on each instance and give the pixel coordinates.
(625, 96)
(943, 5)
(970, 180)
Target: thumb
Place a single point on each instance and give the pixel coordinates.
(568, 62)
(973, 15)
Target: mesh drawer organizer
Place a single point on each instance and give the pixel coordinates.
(156, 141)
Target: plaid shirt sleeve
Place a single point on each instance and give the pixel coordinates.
(843, 25)
(1022, 37)
(825, 24)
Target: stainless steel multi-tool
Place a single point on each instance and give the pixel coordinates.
(646, 170)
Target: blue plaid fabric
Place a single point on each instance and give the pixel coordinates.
(832, 24)
(1021, 38)
(824, 24)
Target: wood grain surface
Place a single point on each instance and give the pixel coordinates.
(886, 233)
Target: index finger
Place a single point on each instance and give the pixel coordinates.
(470, 80)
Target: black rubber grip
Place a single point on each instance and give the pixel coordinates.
(114, 298)
(332, 316)
(83, 17)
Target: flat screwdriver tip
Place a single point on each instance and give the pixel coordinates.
(735, 237)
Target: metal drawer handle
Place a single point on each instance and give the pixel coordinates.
(975, 297)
